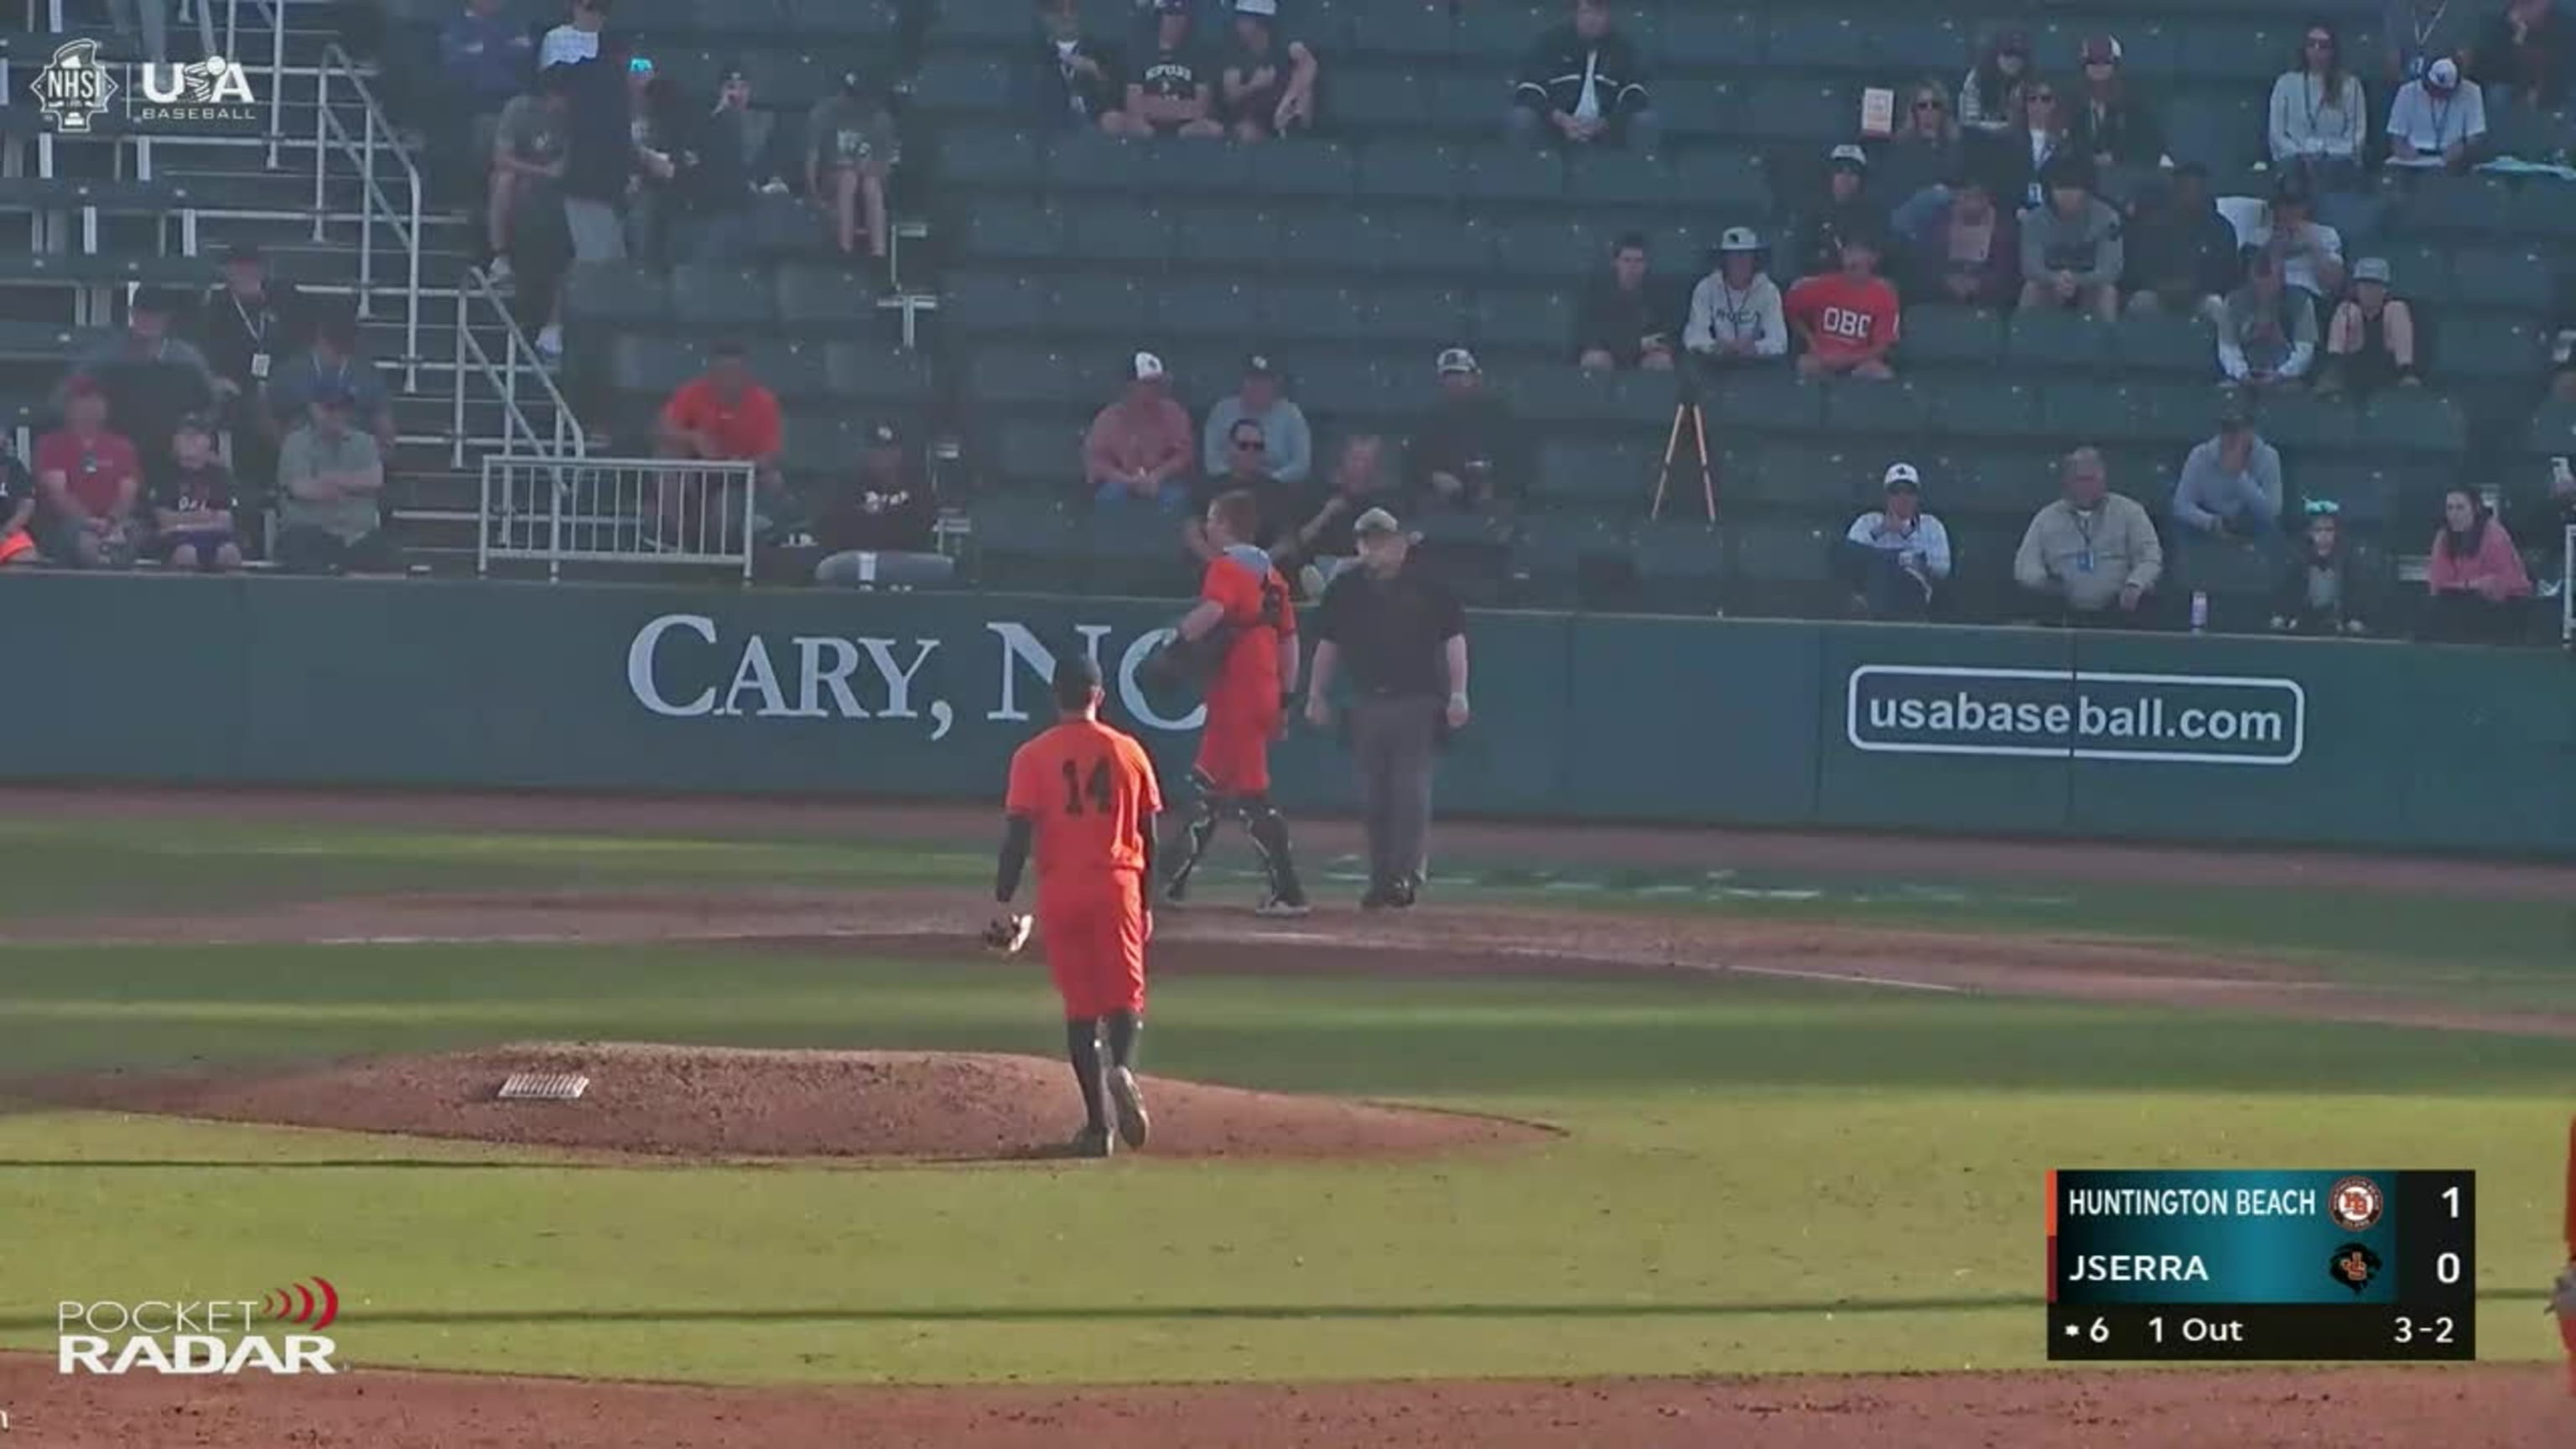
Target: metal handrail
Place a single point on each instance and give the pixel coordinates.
(2567, 591)
(232, 51)
(519, 356)
(404, 223)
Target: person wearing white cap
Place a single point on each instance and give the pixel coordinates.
(1896, 557)
(1139, 447)
(1847, 209)
(2438, 120)
(1465, 456)
(1267, 84)
(2371, 343)
(1735, 310)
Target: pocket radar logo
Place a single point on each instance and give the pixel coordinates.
(218, 1337)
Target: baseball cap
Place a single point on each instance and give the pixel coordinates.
(1269, 8)
(2235, 410)
(2102, 50)
(1146, 368)
(1258, 365)
(1849, 155)
(1902, 477)
(1457, 359)
(2443, 74)
(1739, 239)
(1376, 520)
(2371, 269)
(194, 423)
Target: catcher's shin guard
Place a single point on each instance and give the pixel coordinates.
(1195, 836)
(1269, 831)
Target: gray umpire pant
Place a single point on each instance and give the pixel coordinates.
(1393, 738)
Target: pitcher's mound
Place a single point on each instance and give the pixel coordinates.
(731, 1102)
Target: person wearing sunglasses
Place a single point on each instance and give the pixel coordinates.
(2113, 123)
(1247, 471)
(2319, 114)
(1925, 150)
(2024, 156)
(1989, 98)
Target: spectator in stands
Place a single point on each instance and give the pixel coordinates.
(485, 58)
(2023, 156)
(2438, 121)
(2310, 252)
(2475, 575)
(528, 156)
(2324, 588)
(851, 148)
(330, 477)
(1583, 84)
(2071, 249)
(2525, 56)
(2318, 115)
(17, 510)
(2183, 257)
(1926, 150)
(2092, 555)
(1247, 471)
(2230, 485)
(1625, 320)
(737, 153)
(88, 483)
(1138, 450)
(2371, 343)
(2114, 125)
(1846, 320)
(250, 324)
(193, 498)
(1846, 209)
(577, 39)
(1466, 455)
(600, 157)
(661, 127)
(1268, 80)
(332, 362)
(1990, 97)
(1896, 557)
(1174, 92)
(724, 415)
(1325, 540)
(1071, 79)
(2267, 334)
(1287, 444)
(1735, 311)
(151, 378)
(2420, 32)
(1959, 245)
(889, 508)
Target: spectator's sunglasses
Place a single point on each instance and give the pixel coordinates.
(1934, 104)
(2321, 42)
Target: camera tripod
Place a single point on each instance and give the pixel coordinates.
(1687, 410)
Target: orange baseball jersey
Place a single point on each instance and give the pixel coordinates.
(1243, 582)
(1090, 793)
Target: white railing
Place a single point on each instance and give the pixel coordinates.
(666, 511)
(519, 364)
(375, 208)
(2567, 590)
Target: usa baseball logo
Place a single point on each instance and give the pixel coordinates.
(2355, 1204)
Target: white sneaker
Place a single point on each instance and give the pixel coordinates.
(498, 273)
(1279, 910)
(550, 340)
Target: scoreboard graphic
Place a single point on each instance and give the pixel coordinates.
(2357, 1264)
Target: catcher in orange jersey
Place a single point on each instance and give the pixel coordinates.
(1245, 628)
(1085, 795)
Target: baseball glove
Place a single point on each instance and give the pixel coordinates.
(1005, 934)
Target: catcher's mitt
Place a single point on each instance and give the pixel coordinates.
(1006, 934)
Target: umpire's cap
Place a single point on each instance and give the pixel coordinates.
(1077, 680)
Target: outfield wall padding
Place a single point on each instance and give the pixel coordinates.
(1593, 717)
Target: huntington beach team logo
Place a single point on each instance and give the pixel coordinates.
(212, 1337)
(2355, 1204)
(75, 89)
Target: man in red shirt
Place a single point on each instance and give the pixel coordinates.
(1846, 319)
(87, 481)
(723, 416)
(1245, 629)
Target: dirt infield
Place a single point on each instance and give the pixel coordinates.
(717, 1102)
(2458, 1408)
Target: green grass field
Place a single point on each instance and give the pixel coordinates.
(1756, 1177)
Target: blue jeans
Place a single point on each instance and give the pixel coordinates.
(1118, 495)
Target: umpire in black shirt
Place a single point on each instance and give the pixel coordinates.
(1401, 636)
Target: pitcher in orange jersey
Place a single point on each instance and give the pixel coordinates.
(1085, 795)
(1244, 619)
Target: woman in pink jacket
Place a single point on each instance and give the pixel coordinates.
(2476, 577)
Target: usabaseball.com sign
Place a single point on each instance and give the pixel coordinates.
(2069, 714)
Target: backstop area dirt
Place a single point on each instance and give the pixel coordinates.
(763, 1104)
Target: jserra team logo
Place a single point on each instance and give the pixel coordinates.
(2355, 1204)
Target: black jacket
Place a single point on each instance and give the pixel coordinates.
(2360, 602)
(598, 143)
(2128, 132)
(1055, 100)
(1459, 432)
(2165, 245)
(1617, 322)
(1820, 236)
(1551, 76)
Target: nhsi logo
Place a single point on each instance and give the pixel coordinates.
(74, 88)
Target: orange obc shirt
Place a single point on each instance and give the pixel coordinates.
(1254, 596)
(1090, 792)
(744, 429)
